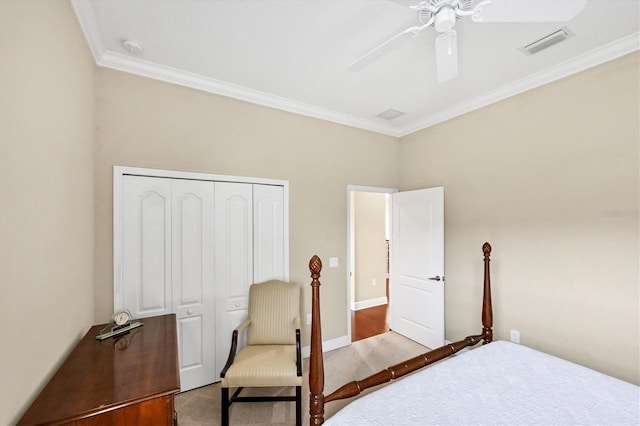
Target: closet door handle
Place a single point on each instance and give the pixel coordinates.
(436, 278)
(189, 312)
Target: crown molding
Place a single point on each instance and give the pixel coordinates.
(121, 62)
(137, 66)
(118, 61)
(564, 69)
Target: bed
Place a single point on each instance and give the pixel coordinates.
(496, 383)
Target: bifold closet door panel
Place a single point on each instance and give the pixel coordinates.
(269, 232)
(146, 246)
(192, 279)
(233, 260)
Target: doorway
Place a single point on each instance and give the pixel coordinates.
(368, 274)
(415, 266)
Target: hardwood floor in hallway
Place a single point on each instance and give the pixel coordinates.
(368, 322)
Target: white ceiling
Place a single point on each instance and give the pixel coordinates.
(293, 54)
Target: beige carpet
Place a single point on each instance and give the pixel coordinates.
(361, 359)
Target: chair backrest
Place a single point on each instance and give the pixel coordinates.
(273, 307)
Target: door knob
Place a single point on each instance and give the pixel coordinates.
(436, 278)
(189, 312)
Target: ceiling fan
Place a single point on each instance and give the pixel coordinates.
(443, 14)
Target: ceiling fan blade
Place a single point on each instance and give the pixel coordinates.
(527, 10)
(385, 47)
(447, 55)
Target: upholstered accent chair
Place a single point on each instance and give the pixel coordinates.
(272, 356)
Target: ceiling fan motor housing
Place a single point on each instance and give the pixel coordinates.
(444, 13)
(445, 19)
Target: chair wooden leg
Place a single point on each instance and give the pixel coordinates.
(224, 399)
(298, 405)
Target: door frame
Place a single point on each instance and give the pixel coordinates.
(351, 189)
(120, 171)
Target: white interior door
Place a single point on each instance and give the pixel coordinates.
(146, 247)
(193, 280)
(233, 261)
(268, 233)
(416, 285)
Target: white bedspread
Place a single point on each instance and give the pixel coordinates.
(499, 383)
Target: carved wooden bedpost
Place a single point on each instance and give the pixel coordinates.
(487, 311)
(316, 367)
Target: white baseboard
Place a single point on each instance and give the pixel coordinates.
(328, 345)
(370, 303)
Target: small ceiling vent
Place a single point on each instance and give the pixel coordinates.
(390, 114)
(547, 41)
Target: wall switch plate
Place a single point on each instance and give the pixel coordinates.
(515, 336)
(333, 262)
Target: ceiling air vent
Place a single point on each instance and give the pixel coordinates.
(547, 41)
(390, 114)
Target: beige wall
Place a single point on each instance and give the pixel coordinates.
(46, 195)
(538, 175)
(370, 246)
(146, 123)
(550, 178)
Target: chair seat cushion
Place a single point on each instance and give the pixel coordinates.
(263, 365)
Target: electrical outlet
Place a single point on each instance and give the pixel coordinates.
(374, 282)
(308, 319)
(515, 336)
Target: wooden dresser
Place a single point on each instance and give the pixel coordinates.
(127, 380)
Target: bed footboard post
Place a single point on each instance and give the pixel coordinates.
(316, 366)
(487, 311)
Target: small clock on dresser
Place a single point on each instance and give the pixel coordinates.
(121, 318)
(120, 323)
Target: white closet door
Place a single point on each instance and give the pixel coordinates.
(146, 246)
(192, 245)
(233, 261)
(268, 230)
(192, 280)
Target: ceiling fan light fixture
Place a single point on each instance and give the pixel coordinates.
(547, 41)
(443, 14)
(445, 19)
